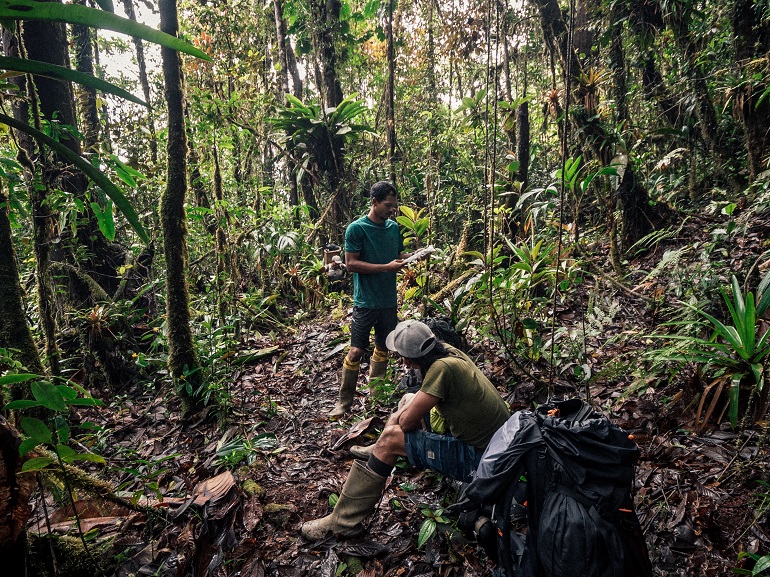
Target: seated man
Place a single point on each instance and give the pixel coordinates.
(471, 408)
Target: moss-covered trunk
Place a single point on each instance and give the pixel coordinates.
(83, 41)
(15, 491)
(14, 330)
(182, 357)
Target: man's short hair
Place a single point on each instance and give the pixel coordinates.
(382, 189)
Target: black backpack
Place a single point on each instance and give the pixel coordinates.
(574, 471)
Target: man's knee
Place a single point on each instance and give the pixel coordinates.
(405, 400)
(355, 354)
(390, 435)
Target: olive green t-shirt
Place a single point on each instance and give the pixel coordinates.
(377, 244)
(471, 405)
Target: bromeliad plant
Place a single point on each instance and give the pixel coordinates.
(734, 353)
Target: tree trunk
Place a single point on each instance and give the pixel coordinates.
(390, 120)
(751, 38)
(326, 14)
(38, 178)
(618, 62)
(710, 129)
(83, 40)
(15, 492)
(595, 141)
(283, 48)
(139, 47)
(14, 329)
(327, 23)
(221, 240)
(182, 357)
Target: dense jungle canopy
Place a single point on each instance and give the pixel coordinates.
(594, 176)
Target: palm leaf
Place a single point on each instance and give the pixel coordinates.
(64, 73)
(739, 312)
(763, 294)
(76, 14)
(730, 334)
(117, 196)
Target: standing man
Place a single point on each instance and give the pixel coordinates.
(373, 253)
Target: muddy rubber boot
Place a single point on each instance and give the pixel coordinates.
(362, 453)
(360, 495)
(378, 365)
(348, 381)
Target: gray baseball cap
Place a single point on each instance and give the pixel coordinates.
(411, 339)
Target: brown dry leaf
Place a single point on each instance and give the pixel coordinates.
(252, 514)
(185, 549)
(214, 489)
(357, 430)
(90, 508)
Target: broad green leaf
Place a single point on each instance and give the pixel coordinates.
(87, 402)
(762, 565)
(404, 221)
(105, 219)
(21, 404)
(17, 378)
(739, 312)
(27, 445)
(48, 395)
(76, 14)
(67, 392)
(117, 196)
(66, 454)
(727, 333)
(62, 428)
(749, 325)
(90, 457)
(427, 530)
(63, 73)
(36, 464)
(36, 429)
(756, 369)
(763, 294)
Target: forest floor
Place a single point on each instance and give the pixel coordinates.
(231, 499)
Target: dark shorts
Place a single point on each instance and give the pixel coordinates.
(442, 453)
(382, 320)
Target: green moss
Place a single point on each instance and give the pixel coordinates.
(278, 513)
(253, 489)
(72, 560)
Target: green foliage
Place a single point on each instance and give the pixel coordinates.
(761, 565)
(62, 73)
(414, 225)
(11, 10)
(311, 132)
(433, 520)
(242, 449)
(734, 353)
(94, 174)
(513, 287)
(77, 14)
(55, 433)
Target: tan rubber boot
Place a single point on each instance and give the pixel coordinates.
(348, 381)
(362, 453)
(360, 495)
(378, 365)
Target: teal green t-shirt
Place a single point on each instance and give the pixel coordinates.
(377, 244)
